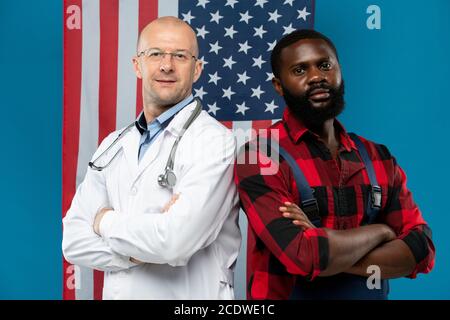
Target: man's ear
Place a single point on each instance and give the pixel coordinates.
(137, 67)
(198, 68)
(277, 85)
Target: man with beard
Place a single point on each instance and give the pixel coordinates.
(335, 220)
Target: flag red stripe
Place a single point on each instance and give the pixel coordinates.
(228, 124)
(148, 11)
(98, 284)
(109, 30)
(71, 122)
(107, 100)
(260, 124)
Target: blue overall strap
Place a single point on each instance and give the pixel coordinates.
(374, 205)
(347, 286)
(308, 201)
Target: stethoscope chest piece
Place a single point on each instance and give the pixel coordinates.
(167, 179)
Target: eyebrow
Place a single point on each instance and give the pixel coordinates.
(305, 63)
(156, 48)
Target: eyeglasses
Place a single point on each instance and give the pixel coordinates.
(156, 55)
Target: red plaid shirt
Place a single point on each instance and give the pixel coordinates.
(278, 251)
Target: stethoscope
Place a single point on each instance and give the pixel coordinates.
(167, 179)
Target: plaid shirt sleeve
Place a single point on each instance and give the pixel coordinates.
(303, 253)
(403, 216)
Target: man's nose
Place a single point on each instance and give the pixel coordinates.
(166, 64)
(316, 75)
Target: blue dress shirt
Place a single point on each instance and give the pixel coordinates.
(149, 131)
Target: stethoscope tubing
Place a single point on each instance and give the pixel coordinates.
(163, 179)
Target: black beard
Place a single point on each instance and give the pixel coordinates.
(312, 116)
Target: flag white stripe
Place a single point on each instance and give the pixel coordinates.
(89, 86)
(167, 8)
(126, 78)
(88, 113)
(241, 264)
(85, 286)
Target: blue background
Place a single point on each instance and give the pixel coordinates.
(397, 82)
(31, 121)
(396, 93)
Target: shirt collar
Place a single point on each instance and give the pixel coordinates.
(164, 118)
(297, 130)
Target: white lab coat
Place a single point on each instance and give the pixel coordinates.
(190, 250)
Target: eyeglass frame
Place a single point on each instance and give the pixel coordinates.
(143, 53)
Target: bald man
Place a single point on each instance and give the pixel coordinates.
(157, 210)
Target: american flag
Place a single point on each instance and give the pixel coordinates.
(236, 39)
(102, 94)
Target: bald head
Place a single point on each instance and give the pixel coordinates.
(166, 79)
(172, 24)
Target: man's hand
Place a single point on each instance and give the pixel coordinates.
(165, 209)
(98, 219)
(103, 211)
(136, 261)
(292, 211)
(171, 202)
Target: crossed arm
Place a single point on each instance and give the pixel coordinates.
(102, 212)
(353, 251)
(207, 198)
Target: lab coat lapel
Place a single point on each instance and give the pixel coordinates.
(130, 146)
(167, 136)
(151, 154)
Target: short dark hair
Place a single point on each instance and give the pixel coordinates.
(292, 38)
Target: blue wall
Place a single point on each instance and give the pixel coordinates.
(31, 119)
(396, 84)
(397, 94)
